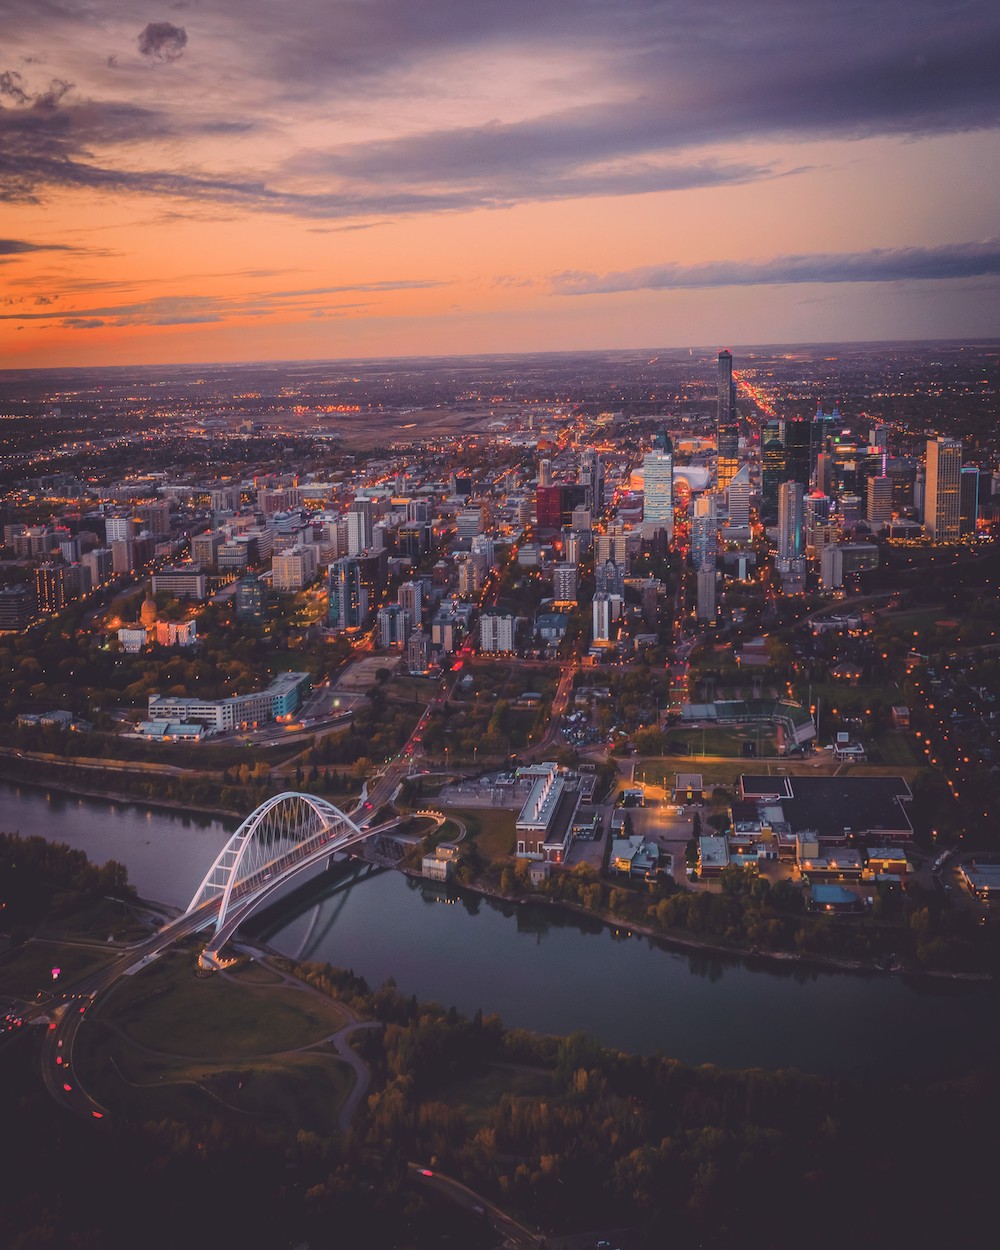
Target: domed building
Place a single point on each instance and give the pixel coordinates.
(147, 613)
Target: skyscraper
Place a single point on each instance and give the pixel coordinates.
(969, 499)
(942, 493)
(726, 426)
(360, 517)
(790, 515)
(658, 490)
(349, 596)
(796, 438)
(879, 508)
(772, 475)
(738, 497)
(704, 532)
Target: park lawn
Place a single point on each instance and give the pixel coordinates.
(169, 1009)
(307, 1090)
(895, 749)
(916, 619)
(300, 1091)
(26, 971)
(492, 830)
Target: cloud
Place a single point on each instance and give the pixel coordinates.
(903, 264)
(201, 309)
(20, 247)
(635, 97)
(163, 41)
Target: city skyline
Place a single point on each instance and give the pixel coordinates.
(194, 185)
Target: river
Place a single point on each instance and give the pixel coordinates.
(541, 970)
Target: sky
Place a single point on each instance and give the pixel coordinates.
(220, 180)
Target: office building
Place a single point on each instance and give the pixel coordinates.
(727, 434)
(417, 651)
(280, 700)
(18, 608)
(704, 532)
(360, 520)
(790, 520)
(349, 596)
(738, 497)
(606, 611)
(294, 569)
(496, 632)
(249, 600)
(205, 549)
(842, 564)
(119, 528)
(796, 441)
(968, 500)
(773, 473)
(879, 507)
(411, 599)
(182, 583)
(226, 499)
(393, 625)
(942, 491)
(56, 585)
(658, 491)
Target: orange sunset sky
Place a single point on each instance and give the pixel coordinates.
(212, 180)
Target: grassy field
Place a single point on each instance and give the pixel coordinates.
(895, 749)
(492, 830)
(170, 1009)
(725, 741)
(714, 772)
(171, 1044)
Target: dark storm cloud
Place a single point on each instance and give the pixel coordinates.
(53, 146)
(163, 41)
(904, 264)
(17, 247)
(647, 83)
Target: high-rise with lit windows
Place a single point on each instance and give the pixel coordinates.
(942, 491)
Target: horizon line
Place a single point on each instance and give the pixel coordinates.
(700, 349)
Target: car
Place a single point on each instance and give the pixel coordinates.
(425, 1171)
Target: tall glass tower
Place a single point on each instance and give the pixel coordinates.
(727, 432)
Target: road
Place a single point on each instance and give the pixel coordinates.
(68, 1010)
(560, 705)
(383, 785)
(516, 1236)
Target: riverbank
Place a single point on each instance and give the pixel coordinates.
(682, 942)
(76, 790)
(669, 939)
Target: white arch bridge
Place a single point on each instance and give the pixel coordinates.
(286, 834)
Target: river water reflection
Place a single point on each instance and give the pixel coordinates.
(541, 970)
